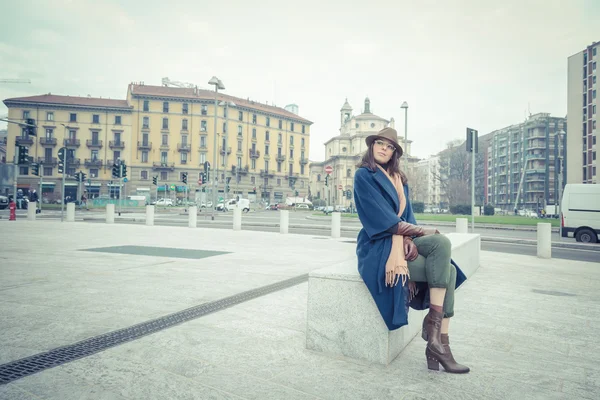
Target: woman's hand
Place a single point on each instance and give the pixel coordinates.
(410, 249)
(430, 231)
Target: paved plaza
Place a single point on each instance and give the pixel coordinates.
(525, 326)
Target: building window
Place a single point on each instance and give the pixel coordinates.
(163, 157)
(184, 124)
(268, 121)
(204, 110)
(184, 157)
(165, 124)
(184, 108)
(279, 167)
(202, 158)
(292, 126)
(302, 172)
(302, 142)
(254, 118)
(48, 154)
(25, 114)
(72, 117)
(266, 166)
(145, 139)
(239, 130)
(144, 175)
(253, 180)
(202, 141)
(48, 171)
(165, 106)
(165, 140)
(239, 145)
(117, 120)
(278, 182)
(94, 155)
(253, 133)
(266, 149)
(291, 168)
(280, 124)
(164, 176)
(116, 155)
(145, 123)
(146, 105)
(71, 171)
(241, 115)
(72, 134)
(202, 126)
(253, 164)
(49, 116)
(224, 127)
(267, 136)
(144, 156)
(291, 153)
(292, 140)
(49, 133)
(318, 177)
(224, 112)
(303, 129)
(184, 140)
(348, 173)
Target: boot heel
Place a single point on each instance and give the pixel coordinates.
(433, 364)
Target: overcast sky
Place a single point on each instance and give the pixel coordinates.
(458, 63)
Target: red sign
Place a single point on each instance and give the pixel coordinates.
(329, 169)
(200, 181)
(340, 187)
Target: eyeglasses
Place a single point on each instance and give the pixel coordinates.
(385, 145)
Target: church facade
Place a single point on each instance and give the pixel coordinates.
(343, 152)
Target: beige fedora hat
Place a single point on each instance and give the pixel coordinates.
(389, 134)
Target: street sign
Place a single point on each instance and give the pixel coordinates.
(172, 187)
(328, 169)
(340, 187)
(125, 180)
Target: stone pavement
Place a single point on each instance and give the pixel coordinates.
(525, 326)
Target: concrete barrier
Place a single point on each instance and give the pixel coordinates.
(336, 224)
(70, 212)
(462, 225)
(544, 240)
(31, 210)
(149, 215)
(110, 213)
(284, 221)
(193, 217)
(237, 219)
(343, 320)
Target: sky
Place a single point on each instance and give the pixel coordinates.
(479, 63)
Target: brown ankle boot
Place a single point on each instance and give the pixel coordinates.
(432, 327)
(447, 359)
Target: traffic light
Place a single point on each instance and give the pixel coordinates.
(296, 193)
(348, 194)
(115, 170)
(23, 157)
(61, 167)
(124, 175)
(326, 180)
(82, 176)
(31, 130)
(184, 176)
(155, 180)
(227, 180)
(35, 169)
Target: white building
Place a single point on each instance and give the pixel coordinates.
(425, 182)
(344, 151)
(582, 114)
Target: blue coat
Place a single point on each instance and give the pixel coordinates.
(377, 203)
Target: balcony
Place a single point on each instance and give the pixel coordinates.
(184, 147)
(116, 144)
(254, 153)
(74, 162)
(303, 161)
(536, 156)
(164, 146)
(44, 141)
(267, 174)
(72, 142)
(292, 175)
(50, 161)
(280, 158)
(93, 162)
(144, 145)
(203, 147)
(222, 150)
(93, 144)
(21, 140)
(163, 165)
(253, 140)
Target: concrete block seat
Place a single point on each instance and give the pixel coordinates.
(343, 319)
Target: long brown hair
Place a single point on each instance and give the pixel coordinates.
(392, 167)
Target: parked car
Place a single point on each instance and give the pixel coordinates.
(580, 212)
(163, 202)
(3, 202)
(244, 204)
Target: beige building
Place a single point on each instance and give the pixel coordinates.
(426, 175)
(582, 115)
(164, 132)
(344, 151)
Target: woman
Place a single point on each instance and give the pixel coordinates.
(401, 263)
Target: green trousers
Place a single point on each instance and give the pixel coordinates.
(433, 266)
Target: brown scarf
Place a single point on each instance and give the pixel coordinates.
(396, 267)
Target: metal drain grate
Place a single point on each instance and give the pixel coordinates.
(30, 365)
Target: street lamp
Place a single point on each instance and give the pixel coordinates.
(218, 85)
(558, 196)
(65, 164)
(226, 104)
(405, 107)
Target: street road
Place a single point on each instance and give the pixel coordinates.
(304, 223)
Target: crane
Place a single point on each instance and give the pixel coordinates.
(15, 81)
(167, 82)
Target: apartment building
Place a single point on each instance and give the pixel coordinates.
(582, 109)
(426, 187)
(523, 163)
(164, 132)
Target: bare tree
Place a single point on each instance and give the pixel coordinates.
(454, 174)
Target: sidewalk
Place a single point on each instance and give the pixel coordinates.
(525, 326)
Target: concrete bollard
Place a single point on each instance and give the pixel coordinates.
(284, 221)
(110, 213)
(237, 219)
(462, 225)
(31, 210)
(150, 215)
(70, 212)
(336, 224)
(193, 217)
(544, 240)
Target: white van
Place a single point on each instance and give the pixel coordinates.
(581, 212)
(244, 204)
